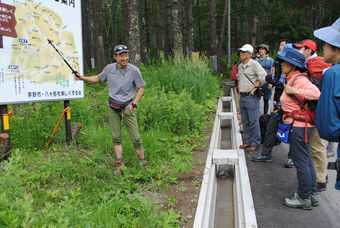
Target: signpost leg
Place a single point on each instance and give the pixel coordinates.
(5, 129)
(68, 123)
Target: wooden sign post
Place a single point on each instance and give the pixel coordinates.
(5, 136)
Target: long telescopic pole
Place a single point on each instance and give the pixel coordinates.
(73, 71)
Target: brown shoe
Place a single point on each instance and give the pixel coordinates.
(251, 148)
(244, 146)
(118, 170)
(143, 163)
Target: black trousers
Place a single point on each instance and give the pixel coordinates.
(270, 136)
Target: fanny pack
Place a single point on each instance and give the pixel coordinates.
(118, 107)
(284, 132)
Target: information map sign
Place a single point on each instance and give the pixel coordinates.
(30, 69)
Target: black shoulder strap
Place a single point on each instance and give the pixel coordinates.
(299, 76)
(249, 80)
(291, 84)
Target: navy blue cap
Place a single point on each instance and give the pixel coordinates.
(293, 56)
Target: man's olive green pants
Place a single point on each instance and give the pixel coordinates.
(131, 123)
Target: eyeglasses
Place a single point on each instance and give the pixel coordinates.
(121, 48)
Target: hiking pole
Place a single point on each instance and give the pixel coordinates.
(73, 71)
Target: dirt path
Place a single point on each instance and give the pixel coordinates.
(186, 192)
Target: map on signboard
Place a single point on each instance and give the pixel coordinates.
(31, 69)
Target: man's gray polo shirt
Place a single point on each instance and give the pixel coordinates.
(122, 83)
(254, 71)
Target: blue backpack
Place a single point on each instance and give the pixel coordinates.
(327, 113)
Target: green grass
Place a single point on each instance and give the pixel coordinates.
(74, 186)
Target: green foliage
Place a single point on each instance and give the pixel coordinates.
(184, 74)
(74, 186)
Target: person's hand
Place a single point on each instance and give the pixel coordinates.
(270, 86)
(275, 110)
(252, 91)
(290, 90)
(131, 108)
(78, 78)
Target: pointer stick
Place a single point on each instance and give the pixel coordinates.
(73, 71)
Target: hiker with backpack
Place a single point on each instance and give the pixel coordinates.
(315, 66)
(327, 111)
(268, 65)
(297, 116)
(123, 79)
(270, 140)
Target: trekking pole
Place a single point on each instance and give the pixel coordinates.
(73, 71)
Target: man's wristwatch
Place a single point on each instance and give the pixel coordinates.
(134, 105)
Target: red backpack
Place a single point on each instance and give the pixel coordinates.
(315, 69)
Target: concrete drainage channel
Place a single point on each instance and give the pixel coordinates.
(225, 199)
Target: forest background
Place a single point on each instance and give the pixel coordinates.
(74, 185)
(152, 28)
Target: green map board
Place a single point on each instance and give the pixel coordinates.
(30, 69)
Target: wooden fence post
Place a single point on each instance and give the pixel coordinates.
(68, 122)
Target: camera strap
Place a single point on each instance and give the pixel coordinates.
(249, 80)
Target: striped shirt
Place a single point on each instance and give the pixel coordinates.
(254, 71)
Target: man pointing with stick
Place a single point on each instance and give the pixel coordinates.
(123, 78)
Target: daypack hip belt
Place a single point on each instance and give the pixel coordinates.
(118, 107)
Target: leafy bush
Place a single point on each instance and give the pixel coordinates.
(176, 113)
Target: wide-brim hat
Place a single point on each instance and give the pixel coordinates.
(330, 34)
(265, 46)
(292, 56)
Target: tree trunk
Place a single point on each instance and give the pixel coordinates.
(199, 25)
(242, 25)
(157, 29)
(114, 25)
(86, 34)
(165, 29)
(254, 23)
(184, 27)
(213, 32)
(133, 33)
(98, 35)
(176, 23)
(220, 43)
(190, 27)
(143, 39)
(125, 18)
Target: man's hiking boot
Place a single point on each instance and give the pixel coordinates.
(314, 199)
(261, 158)
(118, 170)
(330, 151)
(289, 163)
(321, 186)
(143, 162)
(297, 202)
